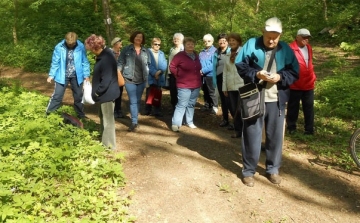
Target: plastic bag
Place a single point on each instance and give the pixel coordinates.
(87, 99)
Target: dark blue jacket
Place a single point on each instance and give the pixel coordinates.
(105, 85)
(252, 59)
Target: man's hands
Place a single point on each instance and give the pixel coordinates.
(49, 79)
(265, 76)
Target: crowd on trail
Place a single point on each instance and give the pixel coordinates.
(282, 73)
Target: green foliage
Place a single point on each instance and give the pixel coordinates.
(38, 33)
(336, 112)
(51, 171)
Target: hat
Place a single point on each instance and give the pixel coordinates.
(115, 40)
(303, 32)
(273, 25)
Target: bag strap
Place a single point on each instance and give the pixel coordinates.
(271, 59)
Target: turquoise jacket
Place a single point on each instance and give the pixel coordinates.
(58, 63)
(252, 59)
(215, 59)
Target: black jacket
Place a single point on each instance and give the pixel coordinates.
(105, 85)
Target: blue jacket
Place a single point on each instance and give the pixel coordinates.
(206, 60)
(126, 62)
(162, 65)
(215, 59)
(58, 63)
(252, 59)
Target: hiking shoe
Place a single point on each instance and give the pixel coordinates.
(274, 178)
(230, 127)
(175, 128)
(133, 127)
(118, 114)
(224, 123)
(192, 126)
(248, 181)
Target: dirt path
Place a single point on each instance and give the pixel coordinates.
(194, 175)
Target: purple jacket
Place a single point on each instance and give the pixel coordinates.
(186, 70)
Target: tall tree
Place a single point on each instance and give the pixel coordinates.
(107, 19)
(15, 38)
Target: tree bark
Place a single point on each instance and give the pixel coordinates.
(15, 23)
(107, 20)
(95, 6)
(257, 6)
(325, 10)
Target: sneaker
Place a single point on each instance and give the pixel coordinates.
(248, 181)
(274, 178)
(133, 127)
(224, 123)
(192, 126)
(175, 128)
(214, 110)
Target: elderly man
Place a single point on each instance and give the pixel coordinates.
(302, 89)
(252, 64)
(69, 65)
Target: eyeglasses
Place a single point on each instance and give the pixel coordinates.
(157, 44)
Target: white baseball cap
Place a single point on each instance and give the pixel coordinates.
(303, 32)
(273, 25)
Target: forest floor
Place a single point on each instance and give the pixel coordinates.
(194, 175)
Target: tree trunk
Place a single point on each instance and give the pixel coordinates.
(15, 23)
(257, 6)
(108, 24)
(95, 6)
(325, 10)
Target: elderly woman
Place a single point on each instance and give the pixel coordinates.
(232, 81)
(178, 40)
(105, 88)
(207, 63)
(219, 61)
(157, 70)
(133, 65)
(186, 67)
(116, 44)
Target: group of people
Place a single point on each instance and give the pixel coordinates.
(218, 72)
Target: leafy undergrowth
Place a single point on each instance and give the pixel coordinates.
(54, 172)
(337, 109)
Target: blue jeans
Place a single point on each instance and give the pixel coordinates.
(57, 96)
(135, 92)
(186, 104)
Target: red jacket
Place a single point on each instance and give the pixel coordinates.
(307, 75)
(186, 70)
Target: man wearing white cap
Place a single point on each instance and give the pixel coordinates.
(302, 89)
(252, 65)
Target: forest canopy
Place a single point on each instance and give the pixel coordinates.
(31, 28)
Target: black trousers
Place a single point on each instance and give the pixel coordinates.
(223, 99)
(118, 100)
(209, 92)
(307, 101)
(235, 113)
(173, 91)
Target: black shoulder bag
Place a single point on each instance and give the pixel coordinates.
(252, 96)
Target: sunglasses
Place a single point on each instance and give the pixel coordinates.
(157, 44)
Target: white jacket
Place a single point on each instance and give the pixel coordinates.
(231, 79)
